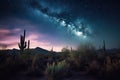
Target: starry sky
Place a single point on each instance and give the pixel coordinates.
(60, 23)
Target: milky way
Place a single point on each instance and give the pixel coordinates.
(77, 27)
(60, 23)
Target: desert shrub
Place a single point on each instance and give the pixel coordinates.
(65, 53)
(87, 52)
(74, 60)
(37, 65)
(50, 57)
(81, 58)
(93, 67)
(8, 65)
(110, 69)
(57, 70)
(108, 65)
(25, 59)
(38, 60)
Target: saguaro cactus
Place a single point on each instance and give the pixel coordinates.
(28, 44)
(22, 45)
(104, 46)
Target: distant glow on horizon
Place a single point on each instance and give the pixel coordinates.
(55, 48)
(36, 40)
(34, 44)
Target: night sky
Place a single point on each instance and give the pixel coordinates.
(60, 23)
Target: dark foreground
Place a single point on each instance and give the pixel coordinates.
(75, 76)
(81, 64)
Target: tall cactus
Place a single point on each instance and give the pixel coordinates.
(52, 49)
(22, 45)
(28, 44)
(71, 49)
(104, 46)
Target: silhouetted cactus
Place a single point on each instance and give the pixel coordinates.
(52, 49)
(28, 44)
(22, 45)
(104, 46)
(71, 49)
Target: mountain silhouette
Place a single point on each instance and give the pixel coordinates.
(36, 50)
(40, 50)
